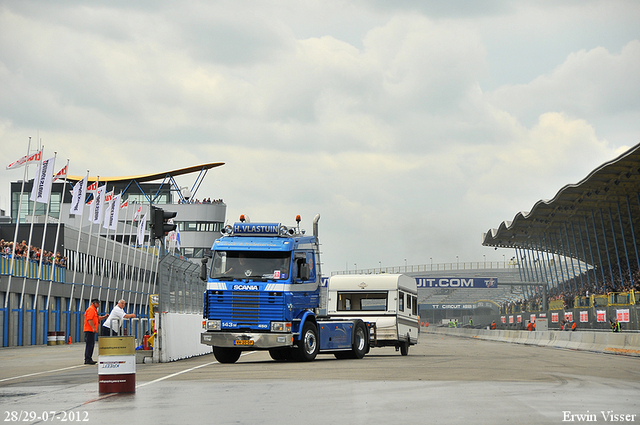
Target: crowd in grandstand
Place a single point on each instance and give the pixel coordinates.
(204, 201)
(33, 253)
(581, 286)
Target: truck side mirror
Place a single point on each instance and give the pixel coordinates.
(203, 269)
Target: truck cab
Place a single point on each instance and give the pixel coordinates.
(263, 291)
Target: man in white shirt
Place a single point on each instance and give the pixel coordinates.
(112, 325)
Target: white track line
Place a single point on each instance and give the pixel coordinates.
(184, 371)
(40, 373)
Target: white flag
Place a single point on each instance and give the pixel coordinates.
(78, 196)
(107, 202)
(41, 190)
(27, 159)
(96, 207)
(111, 221)
(137, 213)
(141, 228)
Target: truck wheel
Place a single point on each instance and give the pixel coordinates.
(360, 345)
(308, 345)
(226, 355)
(360, 341)
(404, 347)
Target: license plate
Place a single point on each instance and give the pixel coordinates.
(243, 342)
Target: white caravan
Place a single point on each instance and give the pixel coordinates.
(390, 301)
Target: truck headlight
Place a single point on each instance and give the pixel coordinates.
(280, 326)
(214, 325)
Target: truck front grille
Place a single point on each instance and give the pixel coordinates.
(247, 309)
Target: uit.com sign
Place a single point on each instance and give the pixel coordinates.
(457, 282)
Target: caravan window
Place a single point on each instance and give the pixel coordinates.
(358, 301)
(400, 301)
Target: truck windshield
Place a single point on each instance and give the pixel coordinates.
(368, 301)
(254, 265)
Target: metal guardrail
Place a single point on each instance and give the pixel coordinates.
(474, 265)
(31, 269)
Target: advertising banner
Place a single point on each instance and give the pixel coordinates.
(457, 282)
(622, 315)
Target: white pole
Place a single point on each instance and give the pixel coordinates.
(76, 263)
(15, 234)
(106, 244)
(126, 266)
(44, 234)
(33, 218)
(55, 244)
(93, 271)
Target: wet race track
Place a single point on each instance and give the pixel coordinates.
(444, 379)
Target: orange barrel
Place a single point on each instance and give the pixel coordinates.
(52, 338)
(116, 364)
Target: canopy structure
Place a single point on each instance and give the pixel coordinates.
(595, 221)
(127, 181)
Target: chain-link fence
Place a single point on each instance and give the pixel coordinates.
(180, 287)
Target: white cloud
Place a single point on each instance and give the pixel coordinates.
(372, 116)
(596, 85)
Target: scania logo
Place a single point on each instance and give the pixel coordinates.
(245, 287)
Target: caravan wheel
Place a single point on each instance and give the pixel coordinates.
(404, 347)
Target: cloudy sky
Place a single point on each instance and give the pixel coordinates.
(412, 127)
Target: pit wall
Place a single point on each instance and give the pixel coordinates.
(599, 342)
(180, 337)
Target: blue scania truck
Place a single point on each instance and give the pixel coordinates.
(263, 293)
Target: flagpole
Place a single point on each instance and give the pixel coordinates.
(115, 240)
(106, 242)
(126, 268)
(33, 218)
(93, 270)
(103, 216)
(124, 229)
(55, 249)
(144, 279)
(44, 235)
(135, 254)
(76, 263)
(15, 234)
(156, 274)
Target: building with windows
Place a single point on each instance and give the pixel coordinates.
(198, 221)
(42, 292)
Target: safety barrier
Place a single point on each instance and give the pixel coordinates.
(29, 269)
(556, 305)
(624, 343)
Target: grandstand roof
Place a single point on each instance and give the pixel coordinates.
(151, 177)
(605, 204)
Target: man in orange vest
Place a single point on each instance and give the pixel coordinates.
(91, 323)
(493, 325)
(531, 326)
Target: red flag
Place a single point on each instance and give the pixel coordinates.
(62, 174)
(125, 204)
(25, 160)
